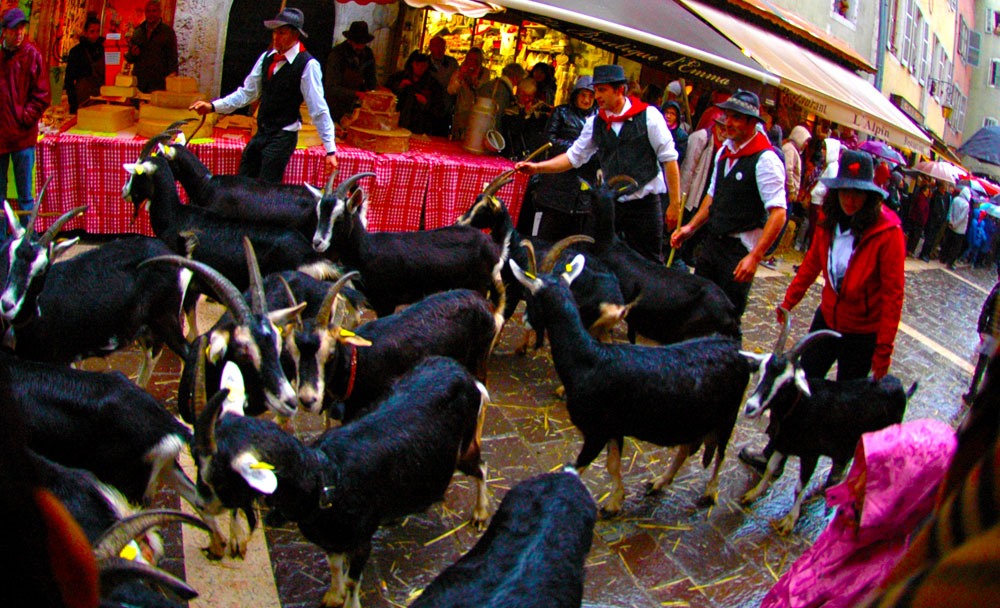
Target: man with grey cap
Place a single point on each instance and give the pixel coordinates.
(284, 76)
(630, 138)
(24, 95)
(744, 206)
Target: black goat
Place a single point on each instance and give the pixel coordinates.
(255, 342)
(356, 369)
(103, 423)
(210, 238)
(395, 461)
(282, 290)
(102, 301)
(685, 394)
(597, 292)
(813, 417)
(403, 267)
(531, 556)
(25, 260)
(673, 305)
(241, 197)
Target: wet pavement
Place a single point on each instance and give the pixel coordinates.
(661, 550)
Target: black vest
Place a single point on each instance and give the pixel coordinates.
(627, 153)
(281, 94)
(737, 206)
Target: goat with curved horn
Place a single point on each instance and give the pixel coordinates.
(258, 301)
(227, 293)
(808, 339)
(29, 229)
(325, 313)
(549, 261)
(147, 148)
(346, 185)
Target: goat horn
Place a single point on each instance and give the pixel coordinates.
(329, 182)
(494, 186)
(622, 179)
(323, 316)
(200, 393)
(530, 247)
(549, 262)
(114, 571)
(59, 223)
(114, 539)
(176, 126)
(779, 346)
(226, 292)
(800, 346)
(204, 428)
(288, 292)
(541, 149)
(30, 228)
(258, 300)
(150, 145)
(348, 183)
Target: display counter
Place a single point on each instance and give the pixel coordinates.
(436, 179)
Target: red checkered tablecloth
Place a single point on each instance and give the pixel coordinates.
(436, 178)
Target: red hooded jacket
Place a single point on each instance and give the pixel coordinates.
(24, 95)
(871, 296)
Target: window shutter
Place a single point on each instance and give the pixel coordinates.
(975, 40)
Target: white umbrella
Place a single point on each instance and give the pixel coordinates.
(939, 169)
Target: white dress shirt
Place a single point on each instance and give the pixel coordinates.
(770, 184)
(311, 87)
(660, 138)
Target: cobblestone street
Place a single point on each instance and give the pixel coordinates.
(662, 550)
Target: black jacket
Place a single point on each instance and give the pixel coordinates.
(84, 72)
(561, 191)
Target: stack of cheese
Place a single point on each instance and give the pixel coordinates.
(308, 136)
(105, 118)
(167, 107)
(124, 87)
(375, 125)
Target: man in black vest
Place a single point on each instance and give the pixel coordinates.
(630, 138)
(282, 78)
(744, 205)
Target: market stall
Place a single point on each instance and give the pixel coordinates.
(435, 179)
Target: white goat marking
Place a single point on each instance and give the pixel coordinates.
(162, 456)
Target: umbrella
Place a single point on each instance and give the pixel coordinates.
(990, 209)
(882, 150)
(984, 145)
(938, 169)
(976, 187)
(991, 188)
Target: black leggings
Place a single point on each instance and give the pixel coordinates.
(852, 352)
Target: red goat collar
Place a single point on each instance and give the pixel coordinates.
(354, 371)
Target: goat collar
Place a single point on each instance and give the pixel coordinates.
(354, 373)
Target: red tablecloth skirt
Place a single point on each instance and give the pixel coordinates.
(435, 178)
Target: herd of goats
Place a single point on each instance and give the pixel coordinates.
(294, 267)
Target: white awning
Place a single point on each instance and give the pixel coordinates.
(818, 84)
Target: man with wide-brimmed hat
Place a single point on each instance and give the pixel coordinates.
(283, 77)
(630, 138)
(350, 70)
(743, 209)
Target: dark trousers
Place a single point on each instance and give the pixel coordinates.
(716, 262)
(267, 154)
(932, 236)
(952, 247)
(852, 352)
(640, 223)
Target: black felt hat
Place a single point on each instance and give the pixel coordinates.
(289, 16)
(358, 32)
(609, 74)
(856, 171)
(742, 102)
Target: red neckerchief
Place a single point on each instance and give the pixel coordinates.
(637, 108)
(277, 57)
(758, 143)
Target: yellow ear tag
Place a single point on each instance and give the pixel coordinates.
(262, 465)
(138, 169)
(494, 200)
(281, 330)
(346, 333)
(569, 268)
(208, 350)
(584, 187)
(530, 276)
(129, 552)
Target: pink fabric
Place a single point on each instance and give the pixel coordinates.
(900, 468)
(435, 178)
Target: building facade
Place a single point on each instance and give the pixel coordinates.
(984, 92)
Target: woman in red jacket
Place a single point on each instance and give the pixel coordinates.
(860, 248)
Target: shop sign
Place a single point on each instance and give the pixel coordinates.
(907, 108)
(644, 53)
